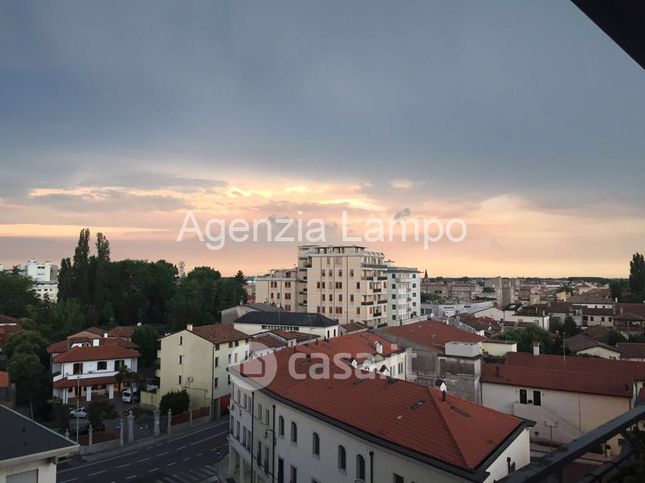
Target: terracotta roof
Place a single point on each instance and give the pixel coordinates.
(98, 353)
(293, 335)
(4, 379)
(95, 330)
(58, 347)
(5, 319)
(122, 331)
(631, 350)
(353, 327)
(559, 380)
(605, 312)
(432, 333)
(598, 332)
(259, 342)
(7, 329)
(219, 333)
(638, 309)
(358, 345)
(486, 324)
(120, 341)
(63, 345)
(590, 365)
(393, 413)
(629, 317)
(582, 342)
(90, 381)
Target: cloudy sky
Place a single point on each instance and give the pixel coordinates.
(520, 117)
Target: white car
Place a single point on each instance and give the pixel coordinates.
(129, 396)
(80, 412)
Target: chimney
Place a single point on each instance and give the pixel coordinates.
(189, 327)
(444, 391)
(536, 348)
(105, 334)
(379, 347)
(95, 342)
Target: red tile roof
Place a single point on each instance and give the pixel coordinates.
(220, 333)
(260, 342)
(431, 333)
(411, 417)
(293, 335)
(5, 319)
(568, 381)
(58, 347)
(7, 329)
(98, 353)
(4, 379)
(631, 350)
(90, 381)
(357, 344)
(122, 331)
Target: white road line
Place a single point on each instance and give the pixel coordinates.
(130, 477)
(206, 439)
(165, 452)
(210, 427)
(186, 459)
(181, 447)
(123, 466)
(173, 463)
(151, 470)
(142, 460)
(150, 447)
(99, 462)
(67, 481)
(200, 454)
(96, 473)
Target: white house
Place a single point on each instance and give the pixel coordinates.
(362, 427)
(566, 397)
(88, 371)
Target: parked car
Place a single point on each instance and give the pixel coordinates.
(130, 395)
(95, 429)
(80, 412)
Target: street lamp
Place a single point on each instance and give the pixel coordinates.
(78, 396)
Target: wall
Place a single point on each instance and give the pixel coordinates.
(253, 329)
(600, 352)
(498, 348)
(46, 471)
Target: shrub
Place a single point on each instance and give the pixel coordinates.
(176, 401)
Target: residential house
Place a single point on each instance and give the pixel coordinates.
(195, 360)
(8, 326)
(631, 351)
(440, 351)
(565, 396)
(7, 390)
(363, 427)
(29, 451)
(583, 345)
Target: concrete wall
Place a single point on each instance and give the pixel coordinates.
(498, 348)
(46, 471)
(600, 352)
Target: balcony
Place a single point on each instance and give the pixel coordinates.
(369, 302)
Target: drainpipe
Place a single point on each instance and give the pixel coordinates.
(273, 448)
(252, 426)
(371, 466)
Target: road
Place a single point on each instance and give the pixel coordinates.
(177, 459)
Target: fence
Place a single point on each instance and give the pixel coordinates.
(185, 417)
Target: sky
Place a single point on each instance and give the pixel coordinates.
(520, 118)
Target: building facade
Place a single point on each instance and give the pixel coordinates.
(403, 294)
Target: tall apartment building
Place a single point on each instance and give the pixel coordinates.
(45, 277)
(343, 282)
(506, 290)
(403, 293)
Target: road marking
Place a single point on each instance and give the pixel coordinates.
(186, 459)
(123, 466)
(99, 461)
(151, 470)
(67, 481)
(206, 439)
(142, 460)
(96, 473)
(173, 463)
(180, 448)
(150, 447)
(209, 427)
(165, 452)
(200, 454)
(130, 477)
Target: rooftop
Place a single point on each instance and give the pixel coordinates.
(122, 331)
(4, 379)
(358, 345)
(582, 342)
(431, 333)
(393, 413)
(298, 319)
(631, 350)
(219, 333)
(29, 438)
(95, 353)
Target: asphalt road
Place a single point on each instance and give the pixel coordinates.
(183, 458)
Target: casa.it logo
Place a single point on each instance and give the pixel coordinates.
(259, 372)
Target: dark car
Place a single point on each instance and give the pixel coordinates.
(95, 429)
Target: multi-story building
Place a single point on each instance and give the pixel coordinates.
(280, 288)
(86, 371)
(357, 428)
(506, 290)
(196, 359)
(45, 276)
(403, 294)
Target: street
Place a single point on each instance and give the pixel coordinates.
(183, 458)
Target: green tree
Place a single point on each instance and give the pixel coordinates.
(616, 288)
(57, 321)
(65, 280)
(16, 294)
(99, 410)
(177, 401)
(100, 264)
(637, 274)
(569, 327)
(524, 336)
(26, 342)
(146, 337)
(81, 267)
(27, 372)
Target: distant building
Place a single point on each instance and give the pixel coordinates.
(229, 315)
(445, 310)
(8, 326)
(254, 322)
(45, 276)
(7, 390)
(402, 293)
(29, 451)
(362, 429)
(506, 290)
(583, 345)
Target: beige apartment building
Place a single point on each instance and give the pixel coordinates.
(196, 359)
(280, 288)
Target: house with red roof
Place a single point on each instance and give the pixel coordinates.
(88, 370)
(441, 352)
(297, 417)
(565, 396)
(7, 390)
(8, 327)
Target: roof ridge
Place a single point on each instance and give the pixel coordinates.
(447, 426)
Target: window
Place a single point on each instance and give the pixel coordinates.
(258, 457)
(294, 475)
(537, 398)
(523, 397)
(259, 411)
(216, 381)
(360, 467)
(181, 340)
(351, 297)
(315, 445)
(216, 347)
(217, 362)
(358, 285)
(342, 458)
(78, 368)
(228, 379)
(102, 366)
(180, 379)
(181, 358)
(266, 417)
(294, 432)
(280, 470)
(281, 426)
(397, 478)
